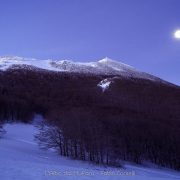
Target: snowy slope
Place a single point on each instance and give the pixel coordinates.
(105, 66)
(21, 158)
(104, 84)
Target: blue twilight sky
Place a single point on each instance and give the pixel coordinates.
(136, 32)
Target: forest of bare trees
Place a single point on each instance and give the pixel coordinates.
(81, 135)
(135, 120)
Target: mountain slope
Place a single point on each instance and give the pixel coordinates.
(105, 66)
(21, 158)
(140, 115)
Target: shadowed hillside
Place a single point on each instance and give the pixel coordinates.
(134, 119)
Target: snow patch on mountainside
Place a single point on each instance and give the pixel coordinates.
(104, 84)
(8, 62)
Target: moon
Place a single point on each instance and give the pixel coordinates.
(177, 34)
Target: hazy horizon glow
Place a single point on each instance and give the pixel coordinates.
(137, 32)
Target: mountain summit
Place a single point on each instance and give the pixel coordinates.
(104, 66)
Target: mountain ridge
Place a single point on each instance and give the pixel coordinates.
(105, 66)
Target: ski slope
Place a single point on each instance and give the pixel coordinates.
(21, 158)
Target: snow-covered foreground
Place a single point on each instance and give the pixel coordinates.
(21, 158)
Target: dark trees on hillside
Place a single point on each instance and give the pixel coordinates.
(80, 134)
(134, 120)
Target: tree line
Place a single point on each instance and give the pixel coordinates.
(134, 120)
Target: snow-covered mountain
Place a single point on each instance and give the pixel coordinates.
(135, 113)
(105, 66)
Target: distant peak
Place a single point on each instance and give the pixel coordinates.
(110, 62)
(14, 58)
(10, 57)
(106, 60)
